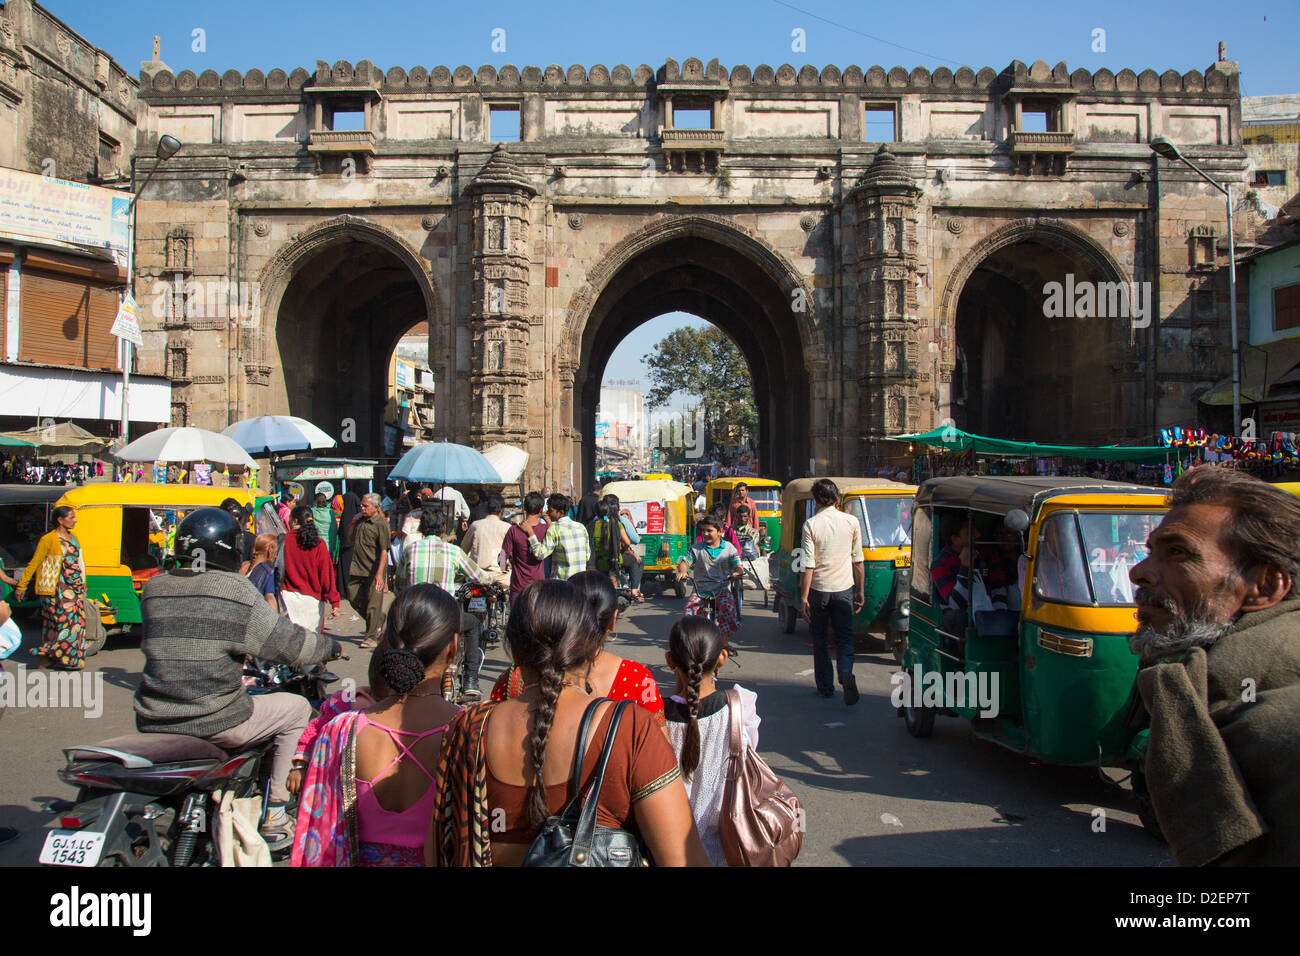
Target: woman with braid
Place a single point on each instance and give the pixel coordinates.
(608, 675)
(369, 790)
(505, 766)
(699, 722)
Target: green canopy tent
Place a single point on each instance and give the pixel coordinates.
(956, 440)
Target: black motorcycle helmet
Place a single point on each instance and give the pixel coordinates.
(208, 539)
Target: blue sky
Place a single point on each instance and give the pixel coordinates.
(1261, 36)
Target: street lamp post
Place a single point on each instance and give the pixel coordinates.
(1163, 147)
(167, 147)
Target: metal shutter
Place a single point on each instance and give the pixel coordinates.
(66, 321)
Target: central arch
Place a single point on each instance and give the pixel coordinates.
(710, 268)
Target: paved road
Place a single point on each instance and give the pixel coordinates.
(873, 794)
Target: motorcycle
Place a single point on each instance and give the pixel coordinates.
(489, 603)
(147, 799)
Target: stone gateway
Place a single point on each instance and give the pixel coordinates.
(881, 241)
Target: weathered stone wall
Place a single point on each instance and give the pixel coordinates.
(66, 108)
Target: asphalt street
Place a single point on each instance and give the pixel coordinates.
(874, 796)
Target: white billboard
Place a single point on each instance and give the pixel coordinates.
(42, 208)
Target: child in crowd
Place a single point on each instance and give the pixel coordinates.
(699, 722)
(714, 564)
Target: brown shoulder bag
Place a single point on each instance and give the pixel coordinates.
(762, 821)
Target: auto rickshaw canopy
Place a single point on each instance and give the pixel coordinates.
(1001, 494)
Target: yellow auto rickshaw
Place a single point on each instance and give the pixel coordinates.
(663, 518)
(766, 493)
(883, 509)
(127, 530)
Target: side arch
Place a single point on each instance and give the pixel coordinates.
(1055, 233)
(274, 277)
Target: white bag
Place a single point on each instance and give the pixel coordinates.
(235, 830)
(11, 638)
(979, 595)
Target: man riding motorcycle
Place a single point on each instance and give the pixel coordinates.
(200, 621)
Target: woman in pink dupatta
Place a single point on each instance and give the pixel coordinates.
(369, 791)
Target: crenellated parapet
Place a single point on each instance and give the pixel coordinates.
(763, 78)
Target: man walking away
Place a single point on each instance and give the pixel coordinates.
(485, 539)
(565, 539)
(1219, 638)
(524, 568)
(368, 572)
(831, 584)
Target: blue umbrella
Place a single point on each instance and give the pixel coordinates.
(269, 434)
(446, 464)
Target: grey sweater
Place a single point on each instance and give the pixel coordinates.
(197, 629)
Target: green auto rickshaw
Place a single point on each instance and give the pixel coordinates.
(1038, 658)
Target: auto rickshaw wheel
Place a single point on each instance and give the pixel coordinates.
(919, 721)
(1146, 810)
(96, 636)
(788, 616)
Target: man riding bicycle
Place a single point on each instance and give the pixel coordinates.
(714, 564)
(432, 560)
(200, 621)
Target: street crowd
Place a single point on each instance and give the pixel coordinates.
(576, 758)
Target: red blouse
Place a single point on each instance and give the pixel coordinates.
(632, 681)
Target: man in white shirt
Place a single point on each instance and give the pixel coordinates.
(831, 583)
(485, 539)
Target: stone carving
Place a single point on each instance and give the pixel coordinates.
(808, 222)
(955, 225)
(1120, 228)
(427, 223)
(576, 221)
(64, 44)
(261, 228)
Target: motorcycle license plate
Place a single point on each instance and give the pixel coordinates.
(478, 604)
(72, 848)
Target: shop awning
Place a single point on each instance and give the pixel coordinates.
(1262, 368)
(954, 439)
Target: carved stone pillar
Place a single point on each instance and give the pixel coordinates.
(501, 195)
(885, 203)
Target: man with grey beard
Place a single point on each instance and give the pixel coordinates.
(1219, 637)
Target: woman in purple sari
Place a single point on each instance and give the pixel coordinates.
(369, 794)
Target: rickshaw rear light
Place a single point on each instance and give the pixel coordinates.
(1071, 646)
(663, 549)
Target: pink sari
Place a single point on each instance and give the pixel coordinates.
(327, 814)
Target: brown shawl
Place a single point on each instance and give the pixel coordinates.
(461, 831)
(1222, 766)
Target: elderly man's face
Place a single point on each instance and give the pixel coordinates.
(1188, 593)
(368, 509)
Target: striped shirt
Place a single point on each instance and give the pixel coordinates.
(569, 543)
(434, 561)
(951, 580)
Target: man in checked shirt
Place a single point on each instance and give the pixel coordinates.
(432, 560)
(567, 540)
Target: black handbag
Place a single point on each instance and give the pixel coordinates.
(572, 837)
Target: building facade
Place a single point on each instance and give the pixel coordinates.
(67, 133)
(883, 242)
